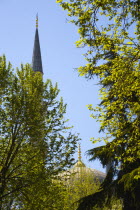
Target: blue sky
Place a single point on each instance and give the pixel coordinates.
(59, 57)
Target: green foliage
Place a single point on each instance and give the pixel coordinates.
(79, 186)
(113, 55)
(83, 184)
(35, 141)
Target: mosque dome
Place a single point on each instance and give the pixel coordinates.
(80, 169)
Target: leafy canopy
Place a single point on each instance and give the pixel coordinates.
(36, 142)
(110, 33)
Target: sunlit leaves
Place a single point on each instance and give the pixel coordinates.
(110, 32)
(36, 142)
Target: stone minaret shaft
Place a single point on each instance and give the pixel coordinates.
(36, 59)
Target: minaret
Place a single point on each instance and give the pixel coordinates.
(36, 59)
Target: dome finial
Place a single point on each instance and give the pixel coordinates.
(79, 152)
(37, 20)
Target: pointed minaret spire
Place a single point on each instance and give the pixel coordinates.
(79, 152)
(36, 59)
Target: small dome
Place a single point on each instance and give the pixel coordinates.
(79, 169)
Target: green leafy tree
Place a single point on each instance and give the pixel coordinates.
(78, 186)
(81, 184)
(110, 32)
(35, 141)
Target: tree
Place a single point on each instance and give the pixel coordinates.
(35, 141)
(113, 55)
(78, 185)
